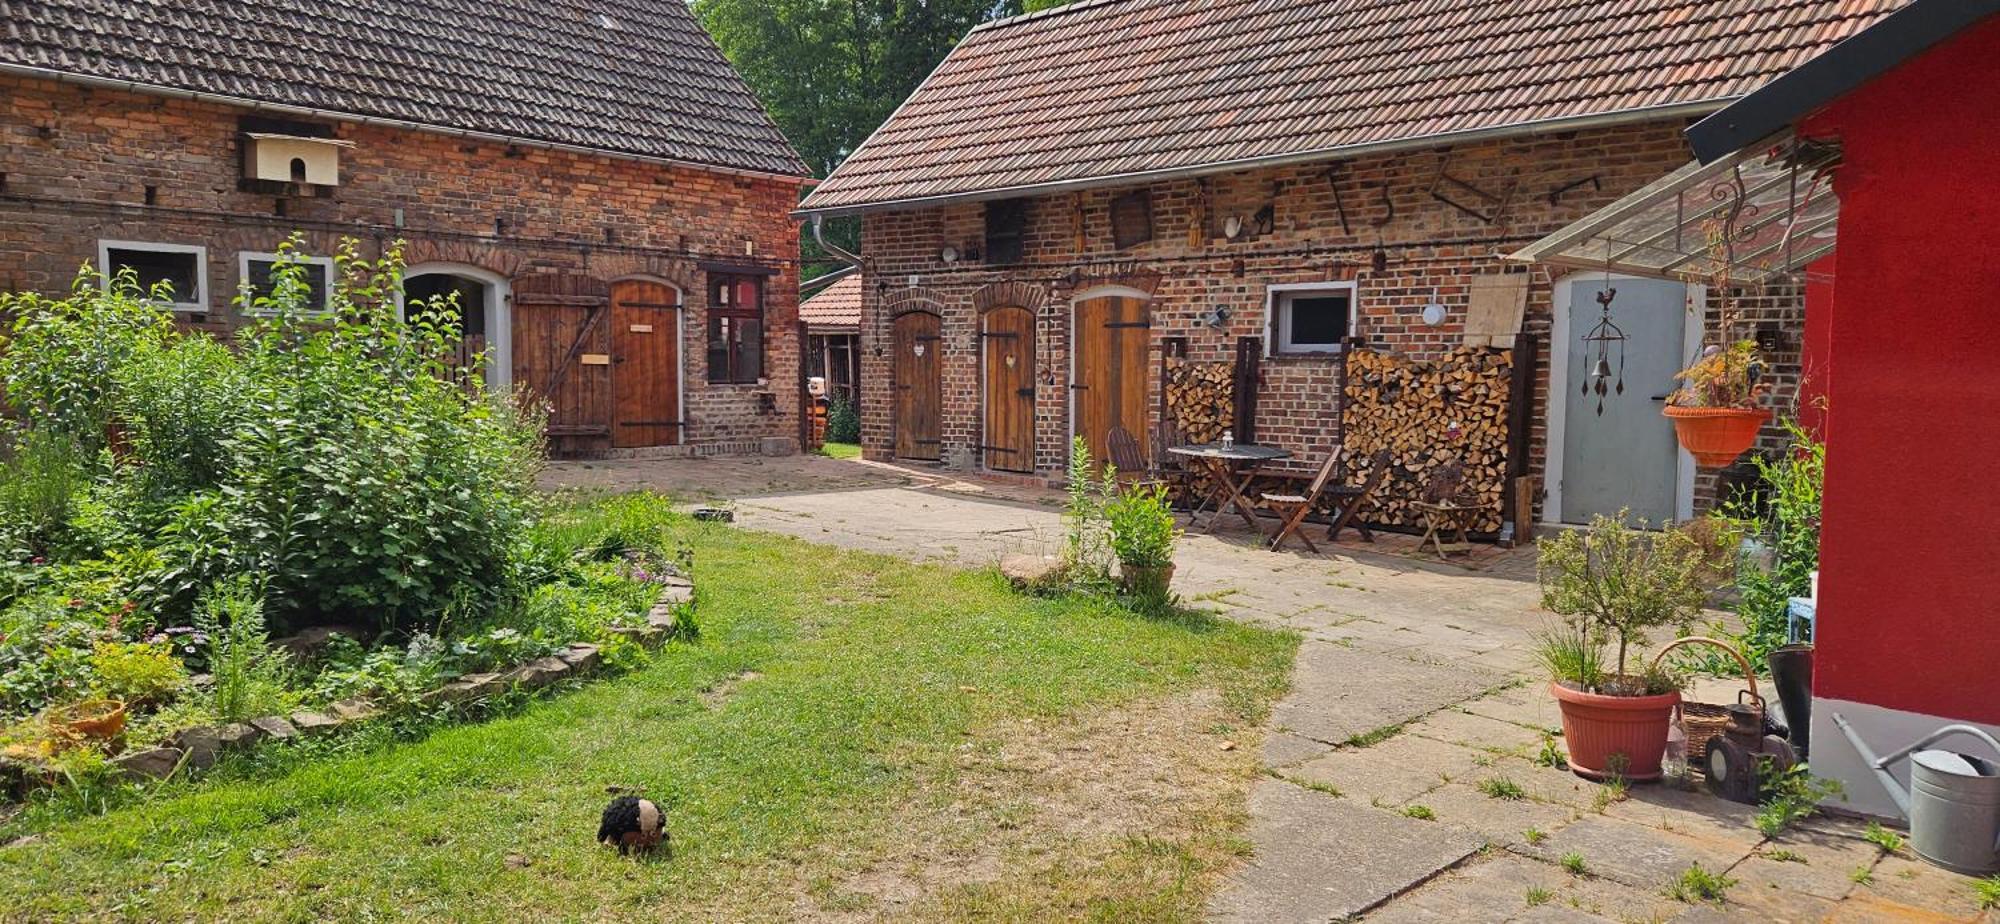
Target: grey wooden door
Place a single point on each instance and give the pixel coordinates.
(1626, 457)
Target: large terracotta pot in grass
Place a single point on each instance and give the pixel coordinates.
(1715, 436)
(1147, 579)
(1598, 727)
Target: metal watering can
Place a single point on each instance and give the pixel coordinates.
(1953, 803)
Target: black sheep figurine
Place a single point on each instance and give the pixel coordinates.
(633, 825)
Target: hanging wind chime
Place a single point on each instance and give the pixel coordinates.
(1601, 337)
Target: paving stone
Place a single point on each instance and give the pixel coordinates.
(1282, 749)
(1697, 814)
(1921, 887)
(275, 727)
(1546, 784)
(1481, 889)
(1555, 911)
(1339, 693)
(238, 735)
(353, 710)
(1030, 572)
(313, 723)
(1393, 772)
(1867, 908)
(1319, 858)
(150, 764)
(542, 672)
(1498, 821)
(1769, 899)
(1614, 901)
(1635, 855)
(1479, 732)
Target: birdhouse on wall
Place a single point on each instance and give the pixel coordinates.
(292, 158)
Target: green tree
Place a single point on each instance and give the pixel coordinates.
(831, 71)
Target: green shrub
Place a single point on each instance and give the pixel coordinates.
(1614, 582)
(42, 480)
(248, 677)
(1785, 517)
(843, 420)
(136, 672)
(1143, 531)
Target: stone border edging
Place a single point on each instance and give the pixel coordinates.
(199, 748)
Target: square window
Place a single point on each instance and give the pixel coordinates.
(1310, 319)
(183, 268)
(258, 274)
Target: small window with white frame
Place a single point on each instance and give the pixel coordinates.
(182, 267)
(1307, 319)
(257, 275)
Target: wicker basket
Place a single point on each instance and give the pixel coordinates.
(1703, 722)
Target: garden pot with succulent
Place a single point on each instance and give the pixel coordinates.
(1143, 534)
(1718, 409)
(1612, 583)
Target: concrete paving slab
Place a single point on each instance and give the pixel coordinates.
(1479, 732)
(1498, 821)
(1699, 815)
(1338, 693)
(1391, 773)
(1921, 887)
(1528, 704)
(1482, 889)
(1617, 902)
(1319, 858)
(1634, 855)
(1283, 750)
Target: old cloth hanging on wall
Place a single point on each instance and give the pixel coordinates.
(1601, 337)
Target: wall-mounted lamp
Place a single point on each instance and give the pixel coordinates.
(1215, 318)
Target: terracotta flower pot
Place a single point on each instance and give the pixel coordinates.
(1144, 578)
(1597, 727)
(100, 719)
(1716, 435)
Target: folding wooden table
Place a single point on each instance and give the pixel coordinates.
(1231, 470)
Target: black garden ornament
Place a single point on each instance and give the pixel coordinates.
(1601, 338)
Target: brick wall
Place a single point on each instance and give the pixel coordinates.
(1432, 251)
(76, 166)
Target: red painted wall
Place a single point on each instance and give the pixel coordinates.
(1909, 613)
(1816, 348)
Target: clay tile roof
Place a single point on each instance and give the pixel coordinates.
(836, 306)
(634, 77)
(1106, 90)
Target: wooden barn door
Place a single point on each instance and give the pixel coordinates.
(1111, 336)
(1008, 342)
(562, 353)
(646, 364)
(919, 386)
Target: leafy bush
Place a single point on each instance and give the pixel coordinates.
(1086, 552)
(136, 672)
(843, 420)
(41, 482)
(1787, 521)
(248, 676)
(1143, 531)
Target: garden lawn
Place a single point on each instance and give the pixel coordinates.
(850, 737)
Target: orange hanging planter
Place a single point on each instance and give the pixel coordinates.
(1716, 435)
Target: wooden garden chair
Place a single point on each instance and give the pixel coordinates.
(1349, 500)
(1444, 510)
(1130, 460)
(1293, 508)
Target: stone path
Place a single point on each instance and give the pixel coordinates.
(1403, 775)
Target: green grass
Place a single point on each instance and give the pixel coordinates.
(1419, 812)
(887, 698)
(1987, 892)
(841, 450)
(1884, 839)
(1573, 862)
(1500, 787)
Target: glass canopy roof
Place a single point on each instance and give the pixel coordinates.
(1761, 213)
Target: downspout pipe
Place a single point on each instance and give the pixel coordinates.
(819, 237)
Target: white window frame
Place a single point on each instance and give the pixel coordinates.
(245, 257)
(1278, 324)
(200, 304)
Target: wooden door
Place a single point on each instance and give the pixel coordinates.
(645, 364)
(1007, 339)
(562, 354)
(1110, 371)
(919, 386)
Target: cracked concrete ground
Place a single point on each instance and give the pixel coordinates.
(1404, 774)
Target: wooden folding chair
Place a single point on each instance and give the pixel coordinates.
(1293, 508)
(1350, 500)
(1130, 460)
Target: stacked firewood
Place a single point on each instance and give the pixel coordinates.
(1201, 398)
(1428, 414)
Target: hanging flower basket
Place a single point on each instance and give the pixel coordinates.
(1716, 435)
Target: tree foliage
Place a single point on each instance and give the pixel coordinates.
(831, 71)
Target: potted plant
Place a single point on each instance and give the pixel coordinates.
(1612, 583)
(1143, 534)
(1718, 409)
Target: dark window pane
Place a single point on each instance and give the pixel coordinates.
(735, 328)
(1006, 223)
(179, 270)
(433, 290)
(750, 350)
(1319, 321)
(718, 349)
(263, 284)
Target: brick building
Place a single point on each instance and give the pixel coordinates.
(617, 233)
(1079, 204)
